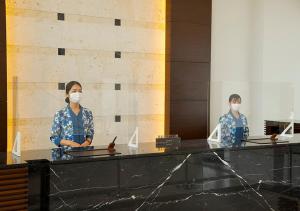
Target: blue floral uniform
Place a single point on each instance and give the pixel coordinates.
(69, 126)
(78, 130)
(233, 130)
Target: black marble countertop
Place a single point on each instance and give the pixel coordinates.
(196, 175)
(57, 155)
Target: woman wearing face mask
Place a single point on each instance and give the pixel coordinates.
(73, 125)
(234, 126)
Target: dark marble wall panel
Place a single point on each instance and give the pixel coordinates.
(273, 158)
(38, 185)
(263, 178)
(150, 171)
(76, 185)
(295, 161)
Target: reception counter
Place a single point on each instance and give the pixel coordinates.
(197, 175)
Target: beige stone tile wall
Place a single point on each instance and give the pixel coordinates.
(90, 38)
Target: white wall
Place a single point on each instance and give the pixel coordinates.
(255, 53)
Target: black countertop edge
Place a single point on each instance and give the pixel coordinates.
(170, 153)
(181, 151)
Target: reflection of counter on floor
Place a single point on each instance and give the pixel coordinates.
(191, 177)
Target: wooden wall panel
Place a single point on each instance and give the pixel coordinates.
(3, 79)
(190, 42)
(189, 118)
(188, 53)
(14, 189)
(193, 86)
(190, 11)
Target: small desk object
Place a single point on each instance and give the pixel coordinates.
(278, 126)
(168, 141)
(264, 140)
(90, 152)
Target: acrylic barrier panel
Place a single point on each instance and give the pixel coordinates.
(119, 109)
(262, 103)
(33, 106)
(145, 115)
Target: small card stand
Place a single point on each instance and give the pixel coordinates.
(215, 142)
(134, 140)
(17, 145)
(216, 131)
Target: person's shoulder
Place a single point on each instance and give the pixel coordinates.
(61, 111)
(243, 116)
(224, 117)
(59, 115)
(86, 110)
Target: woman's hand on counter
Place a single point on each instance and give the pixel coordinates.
(86, 143)
(69, 143)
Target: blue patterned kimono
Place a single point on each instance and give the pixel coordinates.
(229, 129)
(62, 127)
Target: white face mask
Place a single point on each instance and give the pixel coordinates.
(75, 97)
(235, 106)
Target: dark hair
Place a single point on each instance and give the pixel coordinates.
(234, 97)
(69, 87)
